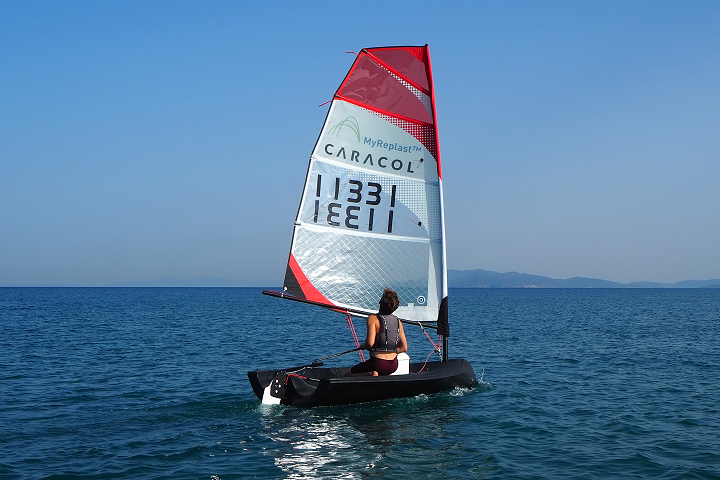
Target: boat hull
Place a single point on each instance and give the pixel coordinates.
(310, 387)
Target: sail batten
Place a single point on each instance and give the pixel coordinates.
(384, 112)
(370, 215)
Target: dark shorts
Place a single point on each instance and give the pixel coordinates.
(383, 367)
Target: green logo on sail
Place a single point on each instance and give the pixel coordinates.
(349, 122)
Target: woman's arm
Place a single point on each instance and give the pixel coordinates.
(402, 347)
(373, 324)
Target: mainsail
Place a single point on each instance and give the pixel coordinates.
(371, 212)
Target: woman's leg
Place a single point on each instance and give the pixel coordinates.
(364, 369)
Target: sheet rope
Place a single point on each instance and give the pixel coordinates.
(436, 348)
(351, 326)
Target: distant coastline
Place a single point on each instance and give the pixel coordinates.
(488, 279)
(478, 278)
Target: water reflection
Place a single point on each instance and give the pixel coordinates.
(415, 437)
(312, 445)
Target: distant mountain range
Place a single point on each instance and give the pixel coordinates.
(456, 279)
(488, 279)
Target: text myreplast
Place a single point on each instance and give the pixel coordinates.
(391, 146)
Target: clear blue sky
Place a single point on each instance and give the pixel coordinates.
(145, 140)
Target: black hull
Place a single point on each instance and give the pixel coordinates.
(311, 387)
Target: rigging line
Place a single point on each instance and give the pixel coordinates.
(436, 347)
(297, 369)
(324, 103)
(351, 326)
(319, 360)
(425, 364)
(293, 375)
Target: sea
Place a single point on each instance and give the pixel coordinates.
(151, 383)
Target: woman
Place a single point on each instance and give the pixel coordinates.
(385, 339)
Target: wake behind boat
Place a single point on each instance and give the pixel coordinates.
(371, 216)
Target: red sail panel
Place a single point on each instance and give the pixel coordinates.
(410, 62)
(369, 83)
(309, 291)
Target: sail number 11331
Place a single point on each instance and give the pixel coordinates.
(361, 201)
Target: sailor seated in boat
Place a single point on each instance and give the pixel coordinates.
(385, 339)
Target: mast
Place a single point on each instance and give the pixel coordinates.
(443, 323)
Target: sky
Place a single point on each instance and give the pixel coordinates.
(157, 140)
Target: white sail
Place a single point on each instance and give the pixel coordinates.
(371, 212)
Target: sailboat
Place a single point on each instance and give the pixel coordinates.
(371, 216)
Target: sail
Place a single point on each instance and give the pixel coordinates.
(371, 213)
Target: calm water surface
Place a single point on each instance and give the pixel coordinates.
(151, 383)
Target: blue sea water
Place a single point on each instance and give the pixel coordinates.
(151, 383)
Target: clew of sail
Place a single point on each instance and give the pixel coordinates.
(371, 213)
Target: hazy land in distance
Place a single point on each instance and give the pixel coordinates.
(487, 279)
(456, 279)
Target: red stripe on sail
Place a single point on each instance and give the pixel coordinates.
(405, 63)
(423, 133)
(371, 84)
(383, 112)
(309, 290)
(434, 112)
(418, 52)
